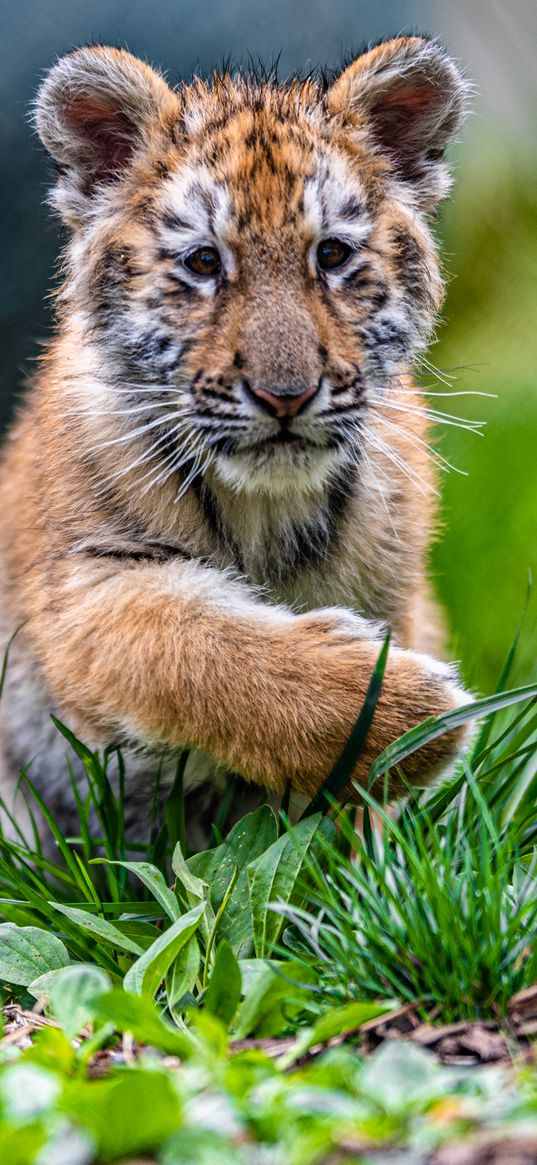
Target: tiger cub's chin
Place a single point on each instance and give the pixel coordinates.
(277, 470)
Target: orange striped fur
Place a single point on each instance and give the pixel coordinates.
(219, 490)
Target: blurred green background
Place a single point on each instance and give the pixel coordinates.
(488, 544)
(489, 538)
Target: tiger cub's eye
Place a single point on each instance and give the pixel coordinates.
(332, 253)
(204, 261)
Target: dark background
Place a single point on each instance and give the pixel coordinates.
(489, 233)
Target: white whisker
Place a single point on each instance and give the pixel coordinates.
(180, 455)
(432, 415)
(148, 454)
(439, 460)
(190, 477)
(129, 412)
(444, 377)
(376, 440)
(454, 392)
(374, 471)
(140, 432)
(142, 390)
(160, 473)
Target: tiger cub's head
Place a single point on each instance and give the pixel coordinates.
(250, 261)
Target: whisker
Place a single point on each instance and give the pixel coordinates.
(90, 412)
(434, 412)
(136, 432)
(454, 392)
(180, 456)
(376, 440)
(444, 377)
(176, 458)
(159, 474)
(440, 461)
(148, 454)
(432, 415)
(189, 477)
(374, 470)
(149, 390)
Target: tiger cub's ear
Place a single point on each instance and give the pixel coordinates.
(409, 97)
(94, 110)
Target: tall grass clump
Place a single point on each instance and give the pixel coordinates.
(434, 902)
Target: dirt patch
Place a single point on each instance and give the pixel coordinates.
(507, 1151)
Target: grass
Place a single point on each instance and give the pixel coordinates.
(300, 934)
(438, 903)
(442, 915)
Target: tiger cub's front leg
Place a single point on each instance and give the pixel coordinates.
(179, 653)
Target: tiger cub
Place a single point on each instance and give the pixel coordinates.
(218, 493)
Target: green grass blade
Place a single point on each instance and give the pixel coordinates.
(5, 658)
(67, 855)
(345, 764)
(507, 668)
(430, 729)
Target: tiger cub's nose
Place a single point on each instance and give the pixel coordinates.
(283, 404)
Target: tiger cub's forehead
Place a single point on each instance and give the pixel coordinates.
(256, 172)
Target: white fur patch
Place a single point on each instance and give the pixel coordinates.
(326, 195)
(283, 472)
(204, 207)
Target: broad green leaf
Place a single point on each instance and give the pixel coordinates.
(154, 880)
(349, 1017)
(246, 841)
(183, 972)
(27, 952)
(210, 1032)
(128, 1114)
(248, 838)
(336, 1021)
(251, 969)
(138, 929)
(20, 1144)
(70, 992)
(53, 1051)
(99, 927)
(137, 1014)
(195, 890)
(275, 996)
(224, 991)
(42, 987)
(401, 1075)
(200, 1147)
(146, 974)
(274, 878)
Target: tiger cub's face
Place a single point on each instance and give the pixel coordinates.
(250, 262)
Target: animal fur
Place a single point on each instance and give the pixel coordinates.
(185, 565)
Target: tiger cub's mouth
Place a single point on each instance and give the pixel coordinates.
(284, 437)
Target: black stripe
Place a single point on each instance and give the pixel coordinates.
(155, 552)
(310, 544)
(211, 513)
